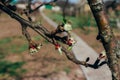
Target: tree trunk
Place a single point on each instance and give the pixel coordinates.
(106, 37)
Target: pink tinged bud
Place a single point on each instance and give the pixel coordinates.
(33, 50)
(71, 41)
(57, 46)
(102, 54)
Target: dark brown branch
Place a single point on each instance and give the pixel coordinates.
(106, 36)
(30, 11)
(42, 31)
(25, 32)
(97, 64)
(26, 12)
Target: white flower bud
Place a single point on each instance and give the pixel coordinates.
(39, 46)
(32, 51)
(59, 50)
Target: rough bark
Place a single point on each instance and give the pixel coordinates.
(106, 36)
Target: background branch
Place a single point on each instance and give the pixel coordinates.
(30, 11)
